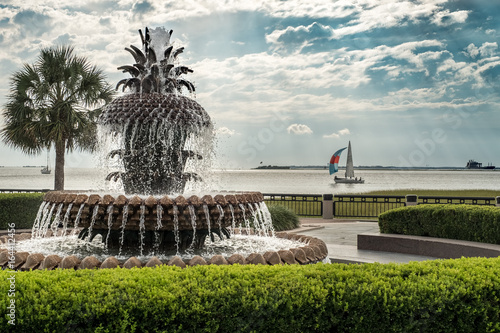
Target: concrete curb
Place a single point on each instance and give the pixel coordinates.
(426, 246)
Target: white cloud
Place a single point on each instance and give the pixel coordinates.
(367, 15)
(488, 49)
(344, 131)
(472, 50)
(338, 134)
(446, 18)
(225, 131)
(299, 129)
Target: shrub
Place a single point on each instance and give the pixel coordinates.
(435, 296)
(19, 208)
(464, 222)
(283, 218)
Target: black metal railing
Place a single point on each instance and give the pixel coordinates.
(365, 206)
(301, 204)
(483, 201)
(23, 191)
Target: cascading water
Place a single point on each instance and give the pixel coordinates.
(123, 225)
(110, 221)
(66, 219)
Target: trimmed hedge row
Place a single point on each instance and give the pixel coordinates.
(434, 296)
(19, 208)
(463, 222)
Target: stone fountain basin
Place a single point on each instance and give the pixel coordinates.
(222, 209)
(313, 250)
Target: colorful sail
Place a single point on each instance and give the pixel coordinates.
(334, 161)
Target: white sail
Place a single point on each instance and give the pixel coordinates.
(349, 167)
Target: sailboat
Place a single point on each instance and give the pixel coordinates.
(349, 168)
(46, 169)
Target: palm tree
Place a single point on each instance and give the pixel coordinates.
(55, 102)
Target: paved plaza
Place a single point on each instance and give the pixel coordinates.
(340, 237)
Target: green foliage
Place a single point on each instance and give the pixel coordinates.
(283, 218)
(435, 296)
(310, 207)
(55, 102)
(443, 193)
(48, 100)
(19, 208)
(464, 222)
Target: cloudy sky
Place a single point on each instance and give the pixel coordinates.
(409, 83)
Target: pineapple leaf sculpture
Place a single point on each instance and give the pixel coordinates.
(155, 120)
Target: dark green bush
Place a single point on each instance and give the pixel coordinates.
(435, 296)
(283, 218)
(464, 222)
(19, 208)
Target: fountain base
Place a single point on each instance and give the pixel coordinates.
(301, 250)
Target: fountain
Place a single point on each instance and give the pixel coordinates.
(156, 131)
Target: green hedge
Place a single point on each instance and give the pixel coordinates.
(434, 296)
(464, 222)
(283, 218)
(19, 208)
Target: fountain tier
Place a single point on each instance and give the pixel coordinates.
(154, 131)
(159, 223)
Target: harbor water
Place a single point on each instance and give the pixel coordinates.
(294, 181)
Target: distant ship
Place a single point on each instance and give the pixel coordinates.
(476, 165)
(273, 167)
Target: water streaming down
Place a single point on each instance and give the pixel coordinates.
(79, 215)
(122, 228)
(176, 228)
(110, 222)
(66, 219)
(268, 222)
(159, 225)
(36, 225)
(207, 218)
(221, 216)
(246, 221)
(55, 223)
(142, 228)
(46, 220)
(92, 223)
(233, 220)
(192, 217)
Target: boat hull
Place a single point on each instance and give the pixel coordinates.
(349, 181)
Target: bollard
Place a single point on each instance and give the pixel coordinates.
(328, 206)
(411, 200)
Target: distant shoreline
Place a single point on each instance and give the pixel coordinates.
(364, 167)
(315, 167)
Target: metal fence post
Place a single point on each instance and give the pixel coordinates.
(411, 200)
(327, 206)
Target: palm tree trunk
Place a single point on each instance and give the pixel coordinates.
(59, 169)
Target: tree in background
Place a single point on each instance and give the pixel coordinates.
(55, 102)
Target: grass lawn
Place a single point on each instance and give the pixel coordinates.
(441, 193)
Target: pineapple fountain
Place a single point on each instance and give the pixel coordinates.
(157, 131)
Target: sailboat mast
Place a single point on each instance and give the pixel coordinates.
(349, 168)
